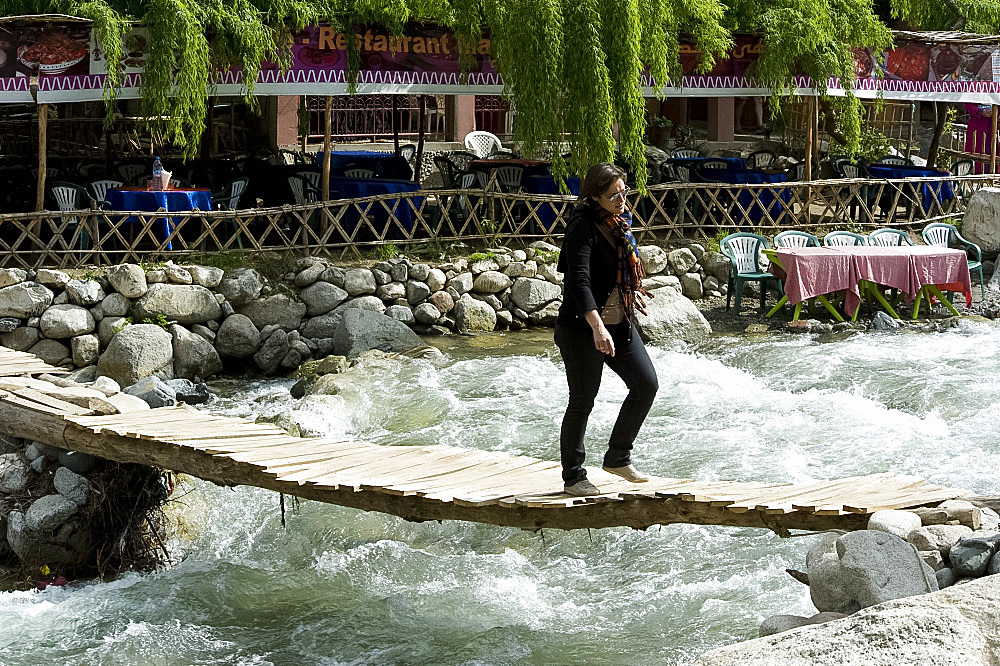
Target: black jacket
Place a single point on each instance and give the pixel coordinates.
(589, 264)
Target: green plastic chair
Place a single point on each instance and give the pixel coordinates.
(842, 238)
(743, 251)
(795, 239)
(939, 233)
(889, 238)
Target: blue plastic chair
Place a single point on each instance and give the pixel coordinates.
(743, 251)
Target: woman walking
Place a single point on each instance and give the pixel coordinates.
(596, 325)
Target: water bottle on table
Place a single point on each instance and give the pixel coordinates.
(157, 183)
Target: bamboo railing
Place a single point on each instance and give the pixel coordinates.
(670, 212)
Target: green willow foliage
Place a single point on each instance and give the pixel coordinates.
(571, 67)
(979, 16)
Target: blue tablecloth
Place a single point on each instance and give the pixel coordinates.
(769, 203)
(354, 188)
(148, 200)
(927, 190)
(385, 165)
(547, 185)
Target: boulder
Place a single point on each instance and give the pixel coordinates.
(109, 327)
(48, 512)
(461, 283)
(20, 339)
(242, 286)
(237, 337)
(682, 260)
(129, 280)
(24, 300)
(416, 292)
(691, 285)
(72, 486)
(272, 351)
(436, 279)
(86, 349)
(14, 473)
(280, 309)
(443, 301)
(981, 223)
(900, 523)
(194, 356)
(84, 292)
(490, 282)
(473, 315)
(419, 272)
(207, 276)
(426, 313)
(391, 291)
(138, 351)
(532, 295)
(52, 352)
(361, 330)
(321, 297)
(188, 392)
(66, 321)
(826, 585)
(358, 281)
(954, 626)
(717, 265)
(401, 313)
(51, 278)
(309, 275)
(180, 303)
(66, 545)
(115, 305)
(8, 324)
(938, 537)
(654, 258)
(325, 326)
(153, 391)
(971, 556)
(671, 317)
(9, 276)
(879, 566)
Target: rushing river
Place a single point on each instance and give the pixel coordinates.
(338, 586)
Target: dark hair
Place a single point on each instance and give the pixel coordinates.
(599, 178)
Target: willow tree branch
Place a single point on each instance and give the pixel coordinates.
(962, 18)
(831, 126)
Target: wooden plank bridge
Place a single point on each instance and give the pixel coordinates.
(419, 483)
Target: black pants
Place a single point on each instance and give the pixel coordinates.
(584, 366)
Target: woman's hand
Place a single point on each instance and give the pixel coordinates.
(602, 339)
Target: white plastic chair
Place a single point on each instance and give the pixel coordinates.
(484, 144)
(358, 172)
(99, 189)
(889, 238)
(686, 152)
(843, 239)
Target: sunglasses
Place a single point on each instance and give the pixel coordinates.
(619, 196)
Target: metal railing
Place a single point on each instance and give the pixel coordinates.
(668, 213)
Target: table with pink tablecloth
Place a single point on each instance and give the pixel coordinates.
(812, 271)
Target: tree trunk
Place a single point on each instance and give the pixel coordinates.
(420, 141)
(940, 117)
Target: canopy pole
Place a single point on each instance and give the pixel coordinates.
(809, 136)
(993, 144)
(420, 141)
(43, 124)
(327, 131)
(395, 124)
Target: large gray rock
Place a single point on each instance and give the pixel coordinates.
(490, 282)
(654, 258)
(49, 512)
(472, 315)
(20, 339)
(361, 330)
(74, 487)
(242, 286)
(194, 356)
(717, 265)
(879, 566)
(358, 281)
(189, 392)
(321, 297)
(68, 544)
(207, 276)
(273, 350)
(52, 278)
(970, 557)
(86, 349)
(938, 537)
(280, 309)
(14, 473)
(24, 300)
(129, 280)
(682, 260)
(181, 303)
(959, 625)
(325, 326)
(84, 292)
(416, 292)
(138, 351)
(9, 276)
(153, 391)
(66, 321)
(108, 328)
(237, 337)
(826, 587)
(691, 285)
(52, 352)
(532, 295)
(981, 223)
(670, 317)
(461, 283)
(900, 523)
(115, 305)
(425, 313)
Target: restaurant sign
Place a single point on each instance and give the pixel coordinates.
(63, 62)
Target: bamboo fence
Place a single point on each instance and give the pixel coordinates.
(669, 212)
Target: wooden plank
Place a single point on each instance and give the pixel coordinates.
(339, 466)
(426, 482)
(55, 403)
(373, 471)
(848, 488)
(32, 405)
(907, 497)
